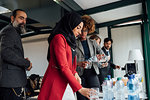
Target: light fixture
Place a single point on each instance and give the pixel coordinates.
(4, 10)
(135, 55)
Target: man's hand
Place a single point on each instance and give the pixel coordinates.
(29, 68)
(27, 59)
(118, 67)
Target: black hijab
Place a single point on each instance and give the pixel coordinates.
(65, 27)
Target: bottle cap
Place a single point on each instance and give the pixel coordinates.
(109, 77)
(142, 79)
(119, 78)
(105, 78)
(131, 76)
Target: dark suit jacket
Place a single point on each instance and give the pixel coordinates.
(107, 70)
(93, 48)
(12, 60)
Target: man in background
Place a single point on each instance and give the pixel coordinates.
(13, 65)
(106, 70)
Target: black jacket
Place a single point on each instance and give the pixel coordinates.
(12, 62)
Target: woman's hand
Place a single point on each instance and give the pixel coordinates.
(99, 56)
(83, 64)
(78, 78)
(85, 92)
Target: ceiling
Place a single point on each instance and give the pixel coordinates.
(44, 14)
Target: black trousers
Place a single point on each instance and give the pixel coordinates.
(8, 93)
(89, 80)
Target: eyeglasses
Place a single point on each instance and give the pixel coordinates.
(84, 31)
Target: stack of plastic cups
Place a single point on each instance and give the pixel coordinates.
(91, 60)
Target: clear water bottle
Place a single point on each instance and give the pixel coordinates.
(130, 84)
(119, 89)
(139, 81)
(93, 59)
(132, 88)
(110, 88)
(102, 61)
(105, 89)
(90, 60)
(110, 80)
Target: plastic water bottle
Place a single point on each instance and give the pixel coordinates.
(110, 88)
(110, 80)
(132, 88)
(102, 61)
(105, 89)
(119, 88)
(139, 81)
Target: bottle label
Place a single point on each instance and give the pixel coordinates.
(131, 87)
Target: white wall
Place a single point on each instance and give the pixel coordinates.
(36, 51)
(103, 33)
(125, 39)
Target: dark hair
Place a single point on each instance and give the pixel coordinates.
(95, 37)
(108, 39)
(14, 13)
(65, 26)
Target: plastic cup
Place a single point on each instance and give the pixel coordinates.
(94, 94)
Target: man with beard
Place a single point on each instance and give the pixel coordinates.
(13, 65)
(106, 70)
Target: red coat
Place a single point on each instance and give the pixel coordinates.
(60, 71)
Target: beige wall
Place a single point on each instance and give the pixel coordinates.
(35, 48)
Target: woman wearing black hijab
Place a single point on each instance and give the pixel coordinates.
(62, 60)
